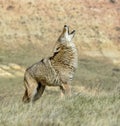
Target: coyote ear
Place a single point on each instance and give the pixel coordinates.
(72, 34)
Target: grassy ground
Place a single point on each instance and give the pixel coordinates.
(95, 97)
(78, 110)
(28, 31)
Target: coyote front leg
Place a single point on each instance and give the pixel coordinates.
(66, 90)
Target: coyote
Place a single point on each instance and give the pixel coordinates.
(57, 70)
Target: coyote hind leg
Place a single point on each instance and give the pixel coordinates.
(25, 97)
(39, 92)
(32, 88)
(33, 91)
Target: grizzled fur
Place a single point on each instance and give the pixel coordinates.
(57, 70)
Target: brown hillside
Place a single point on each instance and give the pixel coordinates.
(39, 23)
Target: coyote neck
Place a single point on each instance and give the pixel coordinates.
(65, 55)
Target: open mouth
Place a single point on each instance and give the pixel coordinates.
(67, 28)
(72, 32)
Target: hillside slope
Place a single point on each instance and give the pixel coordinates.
(37, 24)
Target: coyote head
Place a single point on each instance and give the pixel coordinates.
(66, 36)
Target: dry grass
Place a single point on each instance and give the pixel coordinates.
(78, 110)
(92, 103)
(28, 29)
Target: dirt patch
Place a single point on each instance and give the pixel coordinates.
(11, 70)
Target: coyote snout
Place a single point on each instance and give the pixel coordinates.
(57, 70)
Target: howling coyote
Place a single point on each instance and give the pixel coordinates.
(57, 70)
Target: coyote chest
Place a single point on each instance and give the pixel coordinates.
(65, 61)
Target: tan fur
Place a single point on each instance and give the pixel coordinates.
(57, 70)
